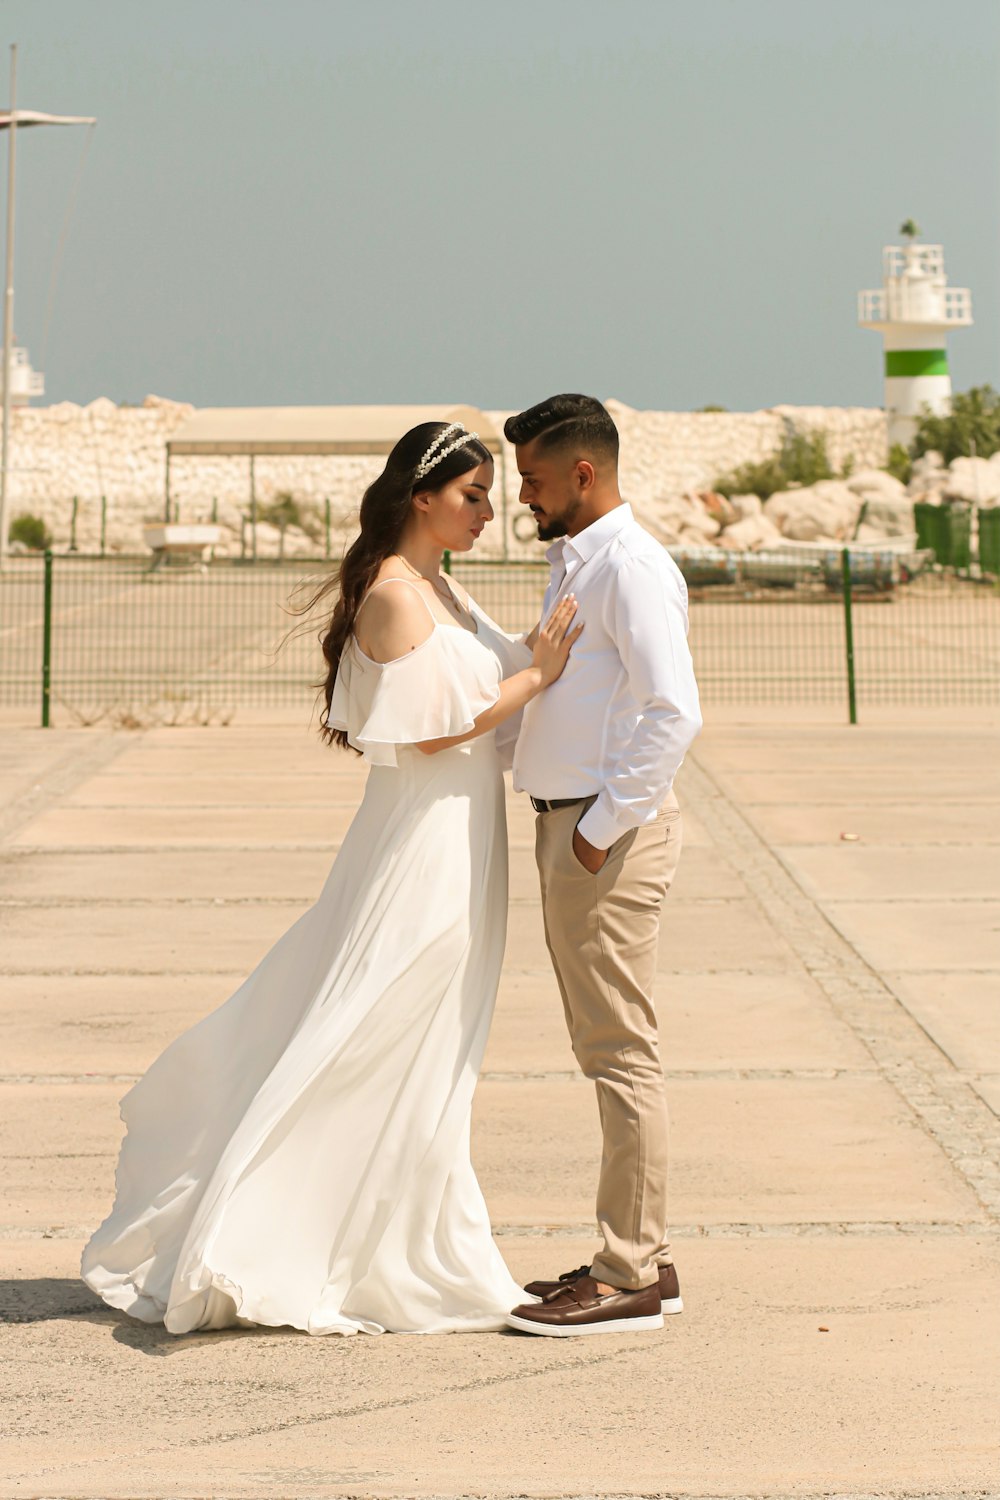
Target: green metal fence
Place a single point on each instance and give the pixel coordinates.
(84, 639)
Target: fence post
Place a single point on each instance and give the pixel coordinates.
(852, 702)
(72, 524)
(104, 522)
(326, 525)
(47, 642)
(215, 510)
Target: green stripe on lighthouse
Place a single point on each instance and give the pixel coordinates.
(902, 362)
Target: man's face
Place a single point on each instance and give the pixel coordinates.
(549, 488)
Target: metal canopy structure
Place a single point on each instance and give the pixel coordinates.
(254, 432)
(284, 430)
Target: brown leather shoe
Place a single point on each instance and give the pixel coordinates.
(670, 1292)
(577, 1307)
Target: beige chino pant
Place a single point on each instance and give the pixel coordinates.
(602, 932)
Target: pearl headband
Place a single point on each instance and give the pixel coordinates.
(432, 457)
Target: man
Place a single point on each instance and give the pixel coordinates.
(598, 753)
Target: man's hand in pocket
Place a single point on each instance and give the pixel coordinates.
(592, 859)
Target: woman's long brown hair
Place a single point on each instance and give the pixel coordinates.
(384, 511)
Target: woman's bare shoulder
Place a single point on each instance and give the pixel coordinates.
(393, 619)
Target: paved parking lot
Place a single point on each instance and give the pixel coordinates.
(832, 1036)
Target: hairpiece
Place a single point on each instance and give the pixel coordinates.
(432, 457)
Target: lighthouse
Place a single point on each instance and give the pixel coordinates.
(914, 310)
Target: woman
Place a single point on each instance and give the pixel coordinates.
(301, 1156)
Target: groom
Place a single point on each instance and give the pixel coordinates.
(598, 753)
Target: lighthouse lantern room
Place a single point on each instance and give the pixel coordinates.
(913, 310)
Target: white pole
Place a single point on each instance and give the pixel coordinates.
(8, 304)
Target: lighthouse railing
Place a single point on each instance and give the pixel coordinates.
(919, 303)
(919, 260)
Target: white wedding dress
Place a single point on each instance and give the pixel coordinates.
(301, 1156)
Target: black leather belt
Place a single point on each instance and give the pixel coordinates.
(541, 804)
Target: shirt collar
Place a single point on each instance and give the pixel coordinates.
(593, 537)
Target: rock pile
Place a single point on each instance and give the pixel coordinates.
(869, 506)
(973, 479)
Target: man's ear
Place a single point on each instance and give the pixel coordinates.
(585, 474)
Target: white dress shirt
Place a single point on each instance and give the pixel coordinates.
(620, 719)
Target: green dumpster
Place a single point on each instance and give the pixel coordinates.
(989, 540)
(947, 530)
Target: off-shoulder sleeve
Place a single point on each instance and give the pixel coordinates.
(436, 691)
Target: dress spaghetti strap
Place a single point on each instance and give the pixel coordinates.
(409, 583)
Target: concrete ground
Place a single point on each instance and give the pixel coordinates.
(832, 1036)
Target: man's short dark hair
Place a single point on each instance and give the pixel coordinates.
(566, 422)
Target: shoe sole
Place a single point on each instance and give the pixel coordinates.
(670, 1306)
(575, 1330)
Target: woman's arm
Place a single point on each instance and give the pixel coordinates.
(551, 652)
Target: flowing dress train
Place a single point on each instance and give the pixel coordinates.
(301, 1156)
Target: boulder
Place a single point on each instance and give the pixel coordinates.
(746, 506)
(671, 515)
(817, 512)
(976, 479)
(928, 479)
(931, 462)
(887, 516)
(869, 482)
(696, 518)
(718, 507)
(751, 534)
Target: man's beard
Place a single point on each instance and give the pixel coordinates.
(556, 526)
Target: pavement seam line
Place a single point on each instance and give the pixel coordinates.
(567, 1075)
(975, 1229)
(70, 771)
(945, 1105)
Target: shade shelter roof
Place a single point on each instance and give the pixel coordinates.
(261, 430)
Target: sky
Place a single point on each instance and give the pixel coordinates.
(669, 202)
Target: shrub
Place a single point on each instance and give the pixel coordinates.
(30, 531)
(900, 463)
(801, 460)
(284, 510)
(712, 408)
(972, 425)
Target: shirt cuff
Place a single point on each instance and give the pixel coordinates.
(599, 827)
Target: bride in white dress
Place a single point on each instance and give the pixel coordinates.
(301, 1156)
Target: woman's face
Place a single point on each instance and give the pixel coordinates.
(457, 513)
